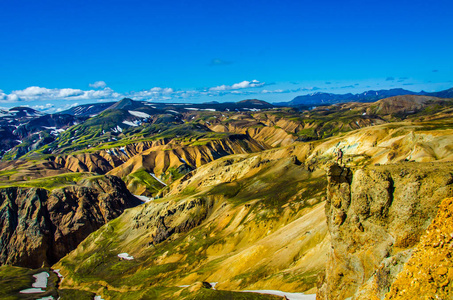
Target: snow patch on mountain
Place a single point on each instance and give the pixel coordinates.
(139, 114)
(117, 129)
(144, 198)
(125, 256)
(134, 123)
(155, 177)
(39, 284)
(172, 111)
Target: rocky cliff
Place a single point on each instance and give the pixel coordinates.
(40, 226)
(429, 271)
(376, 216)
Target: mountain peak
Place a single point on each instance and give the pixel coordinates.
(254, 102)
(22, 111)
(126, 103)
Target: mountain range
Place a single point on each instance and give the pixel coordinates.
(141, 200)
(368, 96)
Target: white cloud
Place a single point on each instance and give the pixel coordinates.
(247, 84)
(241, 85)
(102, 93)
(161, 90)
(106, 93)
(98, 84)
(274, 91)
(43, 107)
(64, 93)
(36, 93)
(31, 91)
(219, 88)
(12, 98)
(155, 93)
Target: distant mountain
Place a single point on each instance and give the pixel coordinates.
(30, 129)
(254, 103)
(127, 104)
(152, 108)
(244, 105)
(404, 105)
(330, 98)
(442, 94)
(87, 109)
(20, 112)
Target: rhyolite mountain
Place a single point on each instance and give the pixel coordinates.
(239, 199)
(130, 120)
(258, 221)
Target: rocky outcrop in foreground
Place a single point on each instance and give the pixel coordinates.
(40, 226)
(429, 271)
(376, 216)
(167, 219)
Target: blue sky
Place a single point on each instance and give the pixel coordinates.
(61, 53)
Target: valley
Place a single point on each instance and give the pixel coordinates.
(243, 196)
